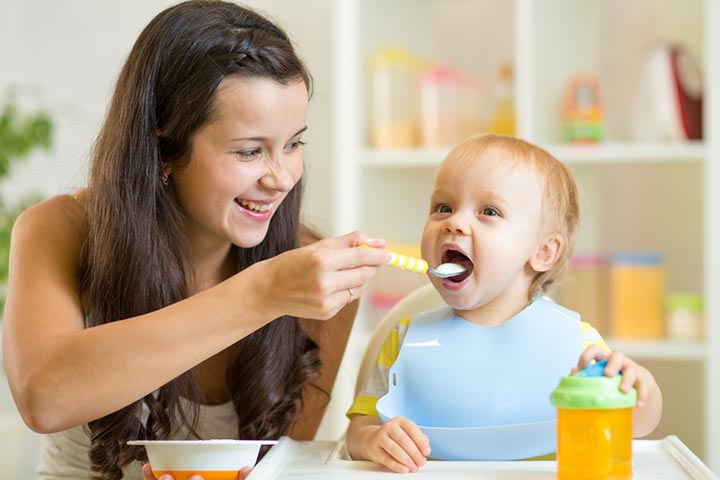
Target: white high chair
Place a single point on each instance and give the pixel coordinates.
(334, 424)
(419, 300)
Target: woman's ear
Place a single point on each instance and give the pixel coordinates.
(547, 254)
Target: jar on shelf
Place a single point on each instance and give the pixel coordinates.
(684, 316)
(585, 290)
(503, 117)
(395, 98)
(451, 106)
(637, 290)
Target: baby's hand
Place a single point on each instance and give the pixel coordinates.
(398, 444)
(633, 374)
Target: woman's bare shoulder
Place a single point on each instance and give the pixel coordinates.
(60, 218)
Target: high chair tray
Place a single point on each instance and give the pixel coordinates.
(668, 458)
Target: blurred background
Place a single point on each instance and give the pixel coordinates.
(625, 93)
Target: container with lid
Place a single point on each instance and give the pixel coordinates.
(637, 291)
(395, 102)
(684, 316)
(594, 426)
(451, 106)
(585, 291)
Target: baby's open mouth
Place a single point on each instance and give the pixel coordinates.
(458, 257)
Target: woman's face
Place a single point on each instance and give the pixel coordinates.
(243, 162)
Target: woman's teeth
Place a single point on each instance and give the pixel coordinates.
(256, 207)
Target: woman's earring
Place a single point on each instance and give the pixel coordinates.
(165, 176)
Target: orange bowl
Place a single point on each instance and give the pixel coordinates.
(212, 459)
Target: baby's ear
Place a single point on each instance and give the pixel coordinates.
(547, 254)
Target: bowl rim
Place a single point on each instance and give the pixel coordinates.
(223, 441)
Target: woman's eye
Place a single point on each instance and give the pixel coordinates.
(442, 208)
(249, 154)
(489, 211)
(295, 145)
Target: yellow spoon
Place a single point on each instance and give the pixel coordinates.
(418, 265)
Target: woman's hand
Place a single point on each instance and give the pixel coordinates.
(317, 280)
(647, 413)
(398, 444)
(148, 474)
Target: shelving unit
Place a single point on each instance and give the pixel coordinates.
(668, 192)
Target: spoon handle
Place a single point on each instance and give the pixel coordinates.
(411, 264)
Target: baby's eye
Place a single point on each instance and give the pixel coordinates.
(442, 208)
(490, 211)
(250, 154)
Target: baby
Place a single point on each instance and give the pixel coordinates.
(508, 211)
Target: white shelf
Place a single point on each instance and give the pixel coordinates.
(627, 152)
(660, 349)
(615, 152)
(547, 41)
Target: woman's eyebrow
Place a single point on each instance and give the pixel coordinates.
(260, 139)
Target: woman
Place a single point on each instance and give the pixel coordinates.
(164, 300)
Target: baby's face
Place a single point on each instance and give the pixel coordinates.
(485, 213)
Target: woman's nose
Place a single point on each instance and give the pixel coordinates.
(278, 177)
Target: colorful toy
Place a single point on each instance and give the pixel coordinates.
(582, 110)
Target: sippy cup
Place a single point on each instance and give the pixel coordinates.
(594, 425)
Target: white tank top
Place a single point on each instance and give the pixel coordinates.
(64, 455)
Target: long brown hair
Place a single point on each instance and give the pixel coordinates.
(136, 258)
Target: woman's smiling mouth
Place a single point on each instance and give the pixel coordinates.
(255, 209)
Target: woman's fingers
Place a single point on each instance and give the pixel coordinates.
(148, 473)
(354, 239)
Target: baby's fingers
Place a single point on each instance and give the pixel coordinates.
(593, 352)
(418, 439)
(617, 362)
(629, 378)
(395, 458)
(409, 449)
(643, 391)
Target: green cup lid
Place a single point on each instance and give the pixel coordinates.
(592, 392)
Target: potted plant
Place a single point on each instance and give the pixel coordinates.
(20, 134)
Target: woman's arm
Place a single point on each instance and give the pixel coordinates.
(331, 337)
(62, 375)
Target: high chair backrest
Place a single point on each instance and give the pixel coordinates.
(419, 300)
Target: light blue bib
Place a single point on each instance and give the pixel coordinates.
(483, 393)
